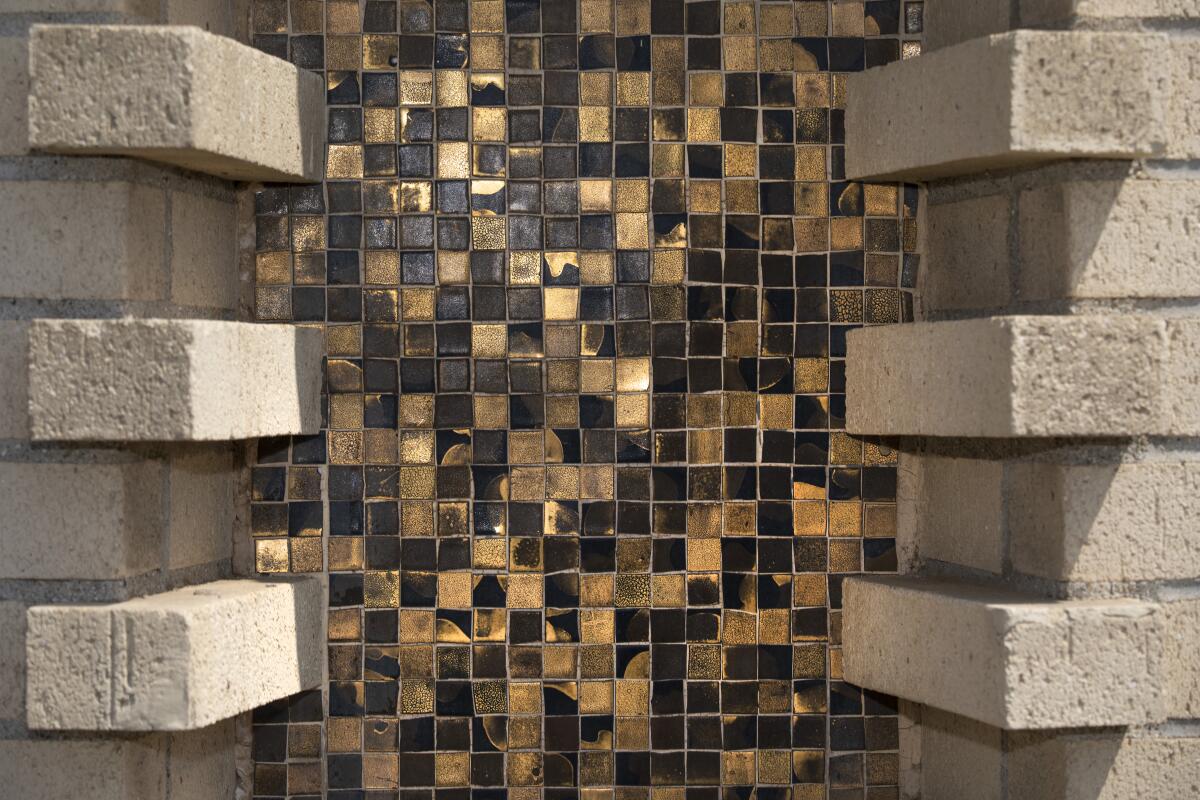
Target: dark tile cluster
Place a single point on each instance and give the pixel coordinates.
(583, 497)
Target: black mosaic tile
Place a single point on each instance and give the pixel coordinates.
(584, 496)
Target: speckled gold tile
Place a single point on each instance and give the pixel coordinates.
(534, 458)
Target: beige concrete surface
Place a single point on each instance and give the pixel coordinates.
(92, 521)
(110, 520)
(1013, 99)
(1024, 376)
(1181, 644)
(1012, 661)
(203, 252)
(1081, 522)
(1104, 522)
(142, 8)
(189, 765)
(172, 380)
(82, 240)
(948, 22)
(965, 260)
(1060, 233)
(175, 94)
(14, 389)
(12, 660)
(14, 123)
(950, 509)
(163, 662)
(1109, 239)
(118, 237)
(202, 504)
(961, 758)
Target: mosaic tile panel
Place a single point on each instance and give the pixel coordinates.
(584, 497)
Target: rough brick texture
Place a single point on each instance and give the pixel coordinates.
(172, 380)
(175, 94)
(166, 662)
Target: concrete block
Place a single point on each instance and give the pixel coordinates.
(1081, 239)
(1075, 231)
(1183, 98)
(119, 518)
(14, 389)
(951, 509)
(1063, 12)
(1104, 522)
(188, 765)
(14, 123)
(1013, 99)
(141, 9)
(960, 757)
(963, 758)
(92, 521)
(202, 491)
(966, 261)
(82, 240)
(175, 94)
(1181, 401)
(172, 380)
(1181, 646)
(1110, 375)
(1103, 766)
(948, 22)
(202, 765)
(173, 661)
(204, 269)
(118, 230)
(12, 660)
(1080, 522)
(1009, 660)
(224, 17)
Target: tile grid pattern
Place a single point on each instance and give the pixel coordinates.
(585, 270)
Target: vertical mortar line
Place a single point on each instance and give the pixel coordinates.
(1013, 240)
(1005, 748)
(165, 481)
(168, 244)
(112, 665)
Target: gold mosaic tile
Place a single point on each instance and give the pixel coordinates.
(584, 497)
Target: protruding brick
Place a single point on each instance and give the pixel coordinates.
(1012, 661)
(1100, 522)
(1104, 375)
(164, 662)
(188, 765)
(175, 94)
(1008, 100)
(172, 380)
